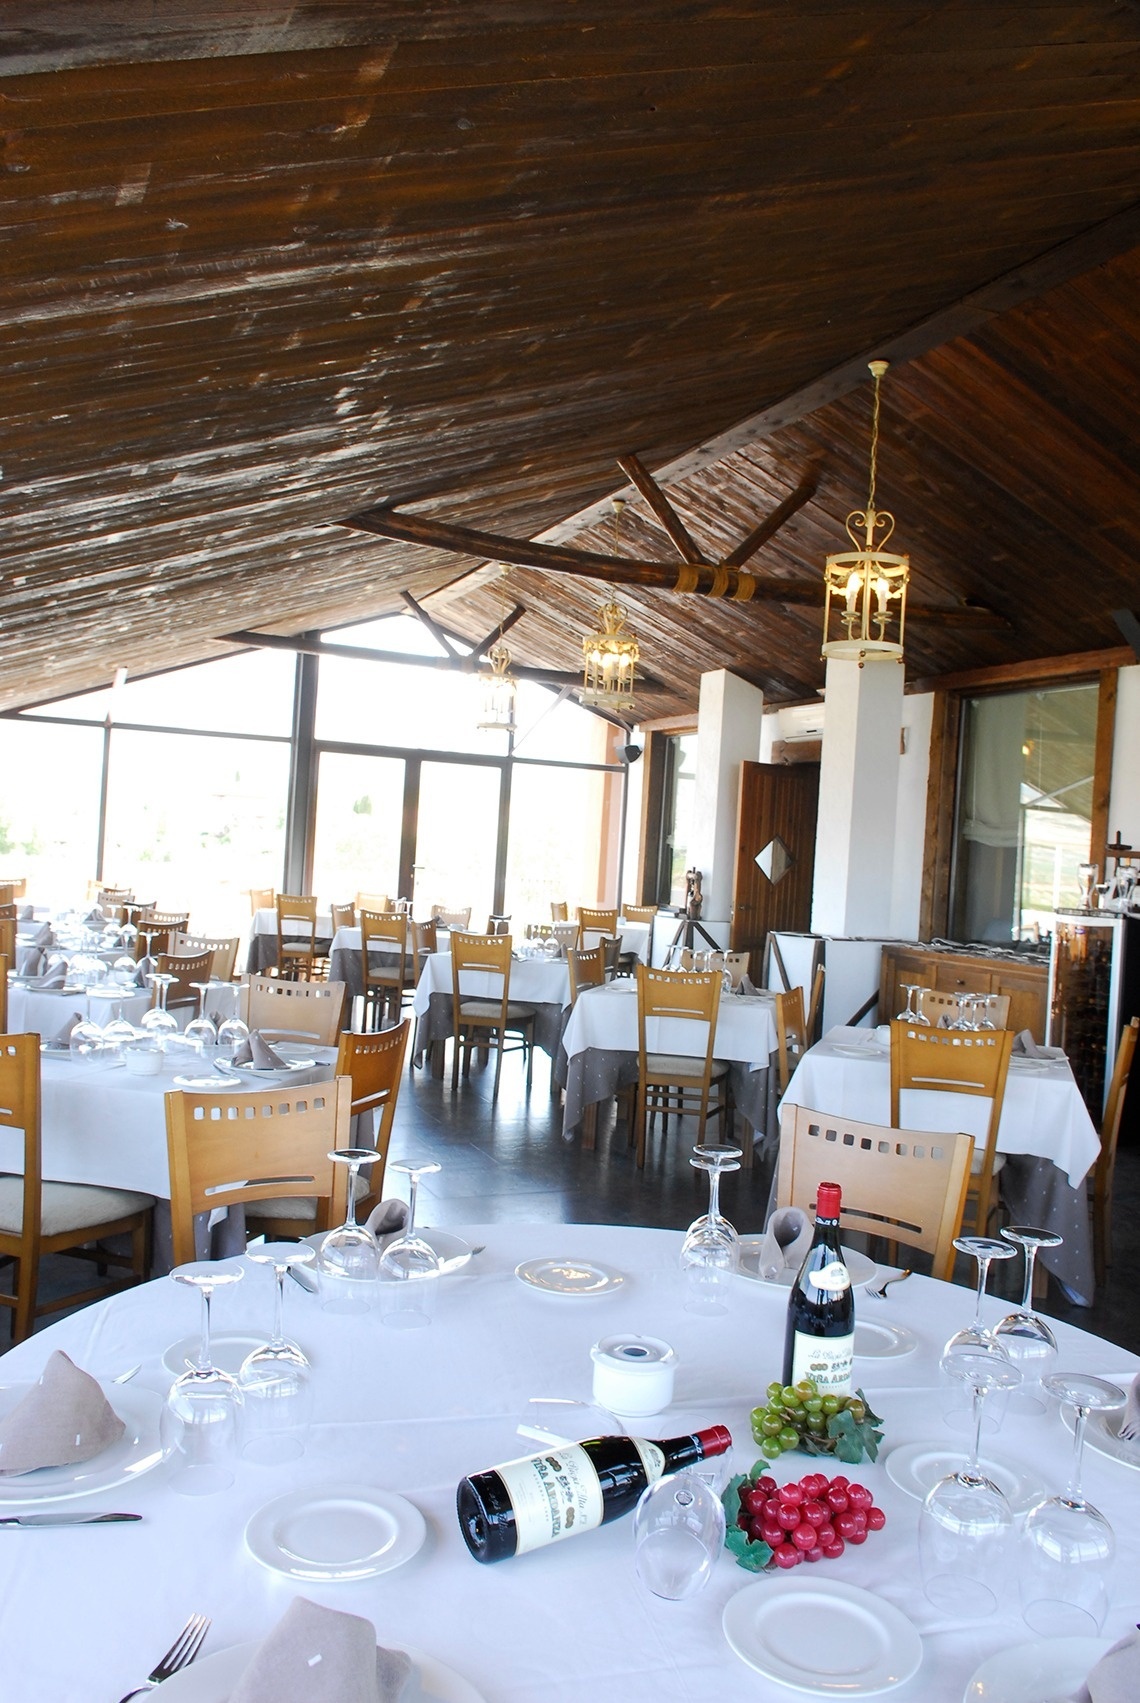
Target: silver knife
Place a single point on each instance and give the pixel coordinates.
(301, 1275)
(67, 1519)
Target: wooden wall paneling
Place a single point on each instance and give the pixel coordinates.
(773, 800)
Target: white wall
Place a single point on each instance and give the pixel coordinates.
(910, 817)
(729, 720)
(1124, 800)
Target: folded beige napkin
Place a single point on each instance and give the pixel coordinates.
(320, 1655)
(1025, 1046)
(388, 1217)
(1130, 1418)
(56, 978)
(1116, 1677)
(259, 1054)
(63, 1034)
(31, 961)
(42, 936)
(64, 1418)
(787, 1238)
(26, 913)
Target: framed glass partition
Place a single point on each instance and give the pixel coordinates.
(457, 838)
(359, 817)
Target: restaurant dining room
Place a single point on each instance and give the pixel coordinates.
(570, 852)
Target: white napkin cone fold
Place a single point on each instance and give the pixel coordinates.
(787, 1238)
(64, 1418)
(321, 1655)
(257, 1052)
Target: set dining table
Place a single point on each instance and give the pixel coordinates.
(85, 1612)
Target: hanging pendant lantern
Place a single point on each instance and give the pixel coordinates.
(499, 691)
(610, 656)
(867, 586)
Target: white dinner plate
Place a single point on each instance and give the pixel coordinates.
(851, 1049)
(211, 1679)
(861, 1269)
(570, 1276)
(217, 1083)
(875, 1339)
(228, 1349)
(917, 1467)
(136, 1451)
(821, 1636)
(272, 1070)
(1032, 1673)
(1102, 1433)
(452, 1251)
(1029, 1065)
(343, 1531)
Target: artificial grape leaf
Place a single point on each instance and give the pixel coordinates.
(754, 1556)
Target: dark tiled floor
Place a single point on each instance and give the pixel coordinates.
(508, 1161)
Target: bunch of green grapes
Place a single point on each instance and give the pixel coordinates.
(795, 1412)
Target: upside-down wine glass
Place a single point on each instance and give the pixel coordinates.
(408, 1264)
(160, 1022)
(201, 1414)
(966, 1523)
(232, 1034)
(1025, 1337)
(975, 1338)
(1068, 1546)
(710, 1253)
(276, 1379)
(202, 1030)
(678, 1534)
(913, 1013)
(349, 1255)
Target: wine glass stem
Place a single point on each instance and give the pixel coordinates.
(977, 1399)
(205, 1360)
(714, 1193)
(1027, 1295)
(353, 1173)
(413, 1190)
(1080, 1420)
(983, 1274)
(280, 1272)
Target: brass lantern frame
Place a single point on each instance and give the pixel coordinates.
(866, 588)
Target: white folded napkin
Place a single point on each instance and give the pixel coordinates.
(26, 913)
(387, 1218)
(64, 1418)
(787, 1238)
(1116, 1677)
(63, 1034)
(320, 1655)
(257, 1052)
(1024, 1046)
(56, 978)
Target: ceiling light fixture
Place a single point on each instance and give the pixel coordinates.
(610, 653)
(866, 587)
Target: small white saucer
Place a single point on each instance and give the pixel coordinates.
(1031, 1673)
(569, 1276)
(917, 1467)
(344, 1531)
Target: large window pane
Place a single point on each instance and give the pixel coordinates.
(360, 803)
(455, 841)
(555, 846)
(49, 812)
(1024, 809)
(247, 693)
(563, 731)
(191, 822)
(678, 800)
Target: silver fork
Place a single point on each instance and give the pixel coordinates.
(880, 1291)
(180, 1654)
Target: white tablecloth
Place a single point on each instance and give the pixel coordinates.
(104, 1126)
(84, 1614)
(606, 1018)
(1042, 1113)
(534, 981)
(45, 1013)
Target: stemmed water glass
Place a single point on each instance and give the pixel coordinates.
(710, 1253)
(913, 1013)
(678, 1534)
(983, 1005)
(232, 1034)
(1025, 1337)
(201, 1413)
(966, 1523)
(158, 1020)
(408, 1264)
(202, 1030)
(1068, 1545)
(276, 1379)
(975, 1338)
(349, 1256)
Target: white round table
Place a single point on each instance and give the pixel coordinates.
(87, 1612)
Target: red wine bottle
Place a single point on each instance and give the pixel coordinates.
(819, 1342)
(545, 1497)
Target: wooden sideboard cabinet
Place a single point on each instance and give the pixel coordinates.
(1026, 983)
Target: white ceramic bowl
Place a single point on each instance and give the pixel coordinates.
(142, 1061)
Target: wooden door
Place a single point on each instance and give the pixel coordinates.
(775, 816)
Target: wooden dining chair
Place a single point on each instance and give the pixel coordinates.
(156, 929)
(268, 1151)
(587, 969)
(672, 1083)
(454, 919)
(425, 938)
(497, 924)
(957, 1061)
(186, 970)
(4, 965)
(224, 949)
(736, 963)
(383, 963)
(815, 1004)
(374, 1065)
(38, 1218)
(8, 926)
(296, 935)
(343, 916)
(639, 913)
(261, 899)
(380, 902)
(478, 1021)
(906, 1185)
(1105, 1166)
(791, 1033)
(592, 921)
(567, 934)
(559, 910)
(17, 886)
(303, 1011)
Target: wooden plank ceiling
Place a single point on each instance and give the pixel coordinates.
(269, 266)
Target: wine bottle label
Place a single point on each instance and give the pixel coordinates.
(557, 1494)
(826, 1359)
(833, 1279)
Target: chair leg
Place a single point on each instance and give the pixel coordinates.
(27, 1278)
(528, 1042)
(500, 1038)
(642, 1097)
(456, 1049)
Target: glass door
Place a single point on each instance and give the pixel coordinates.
(360, 813)
(456, 838)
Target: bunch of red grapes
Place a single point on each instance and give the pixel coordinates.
(814, 1518)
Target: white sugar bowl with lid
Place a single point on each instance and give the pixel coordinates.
(633, 1375)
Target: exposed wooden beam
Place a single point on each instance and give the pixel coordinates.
(435, 630)
(640, 476)
(1077, 664)
(496, 633)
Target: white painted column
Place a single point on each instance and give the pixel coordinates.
(729, 718)
(858, 799)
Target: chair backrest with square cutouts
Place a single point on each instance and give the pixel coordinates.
(310, 1011)
(224, 949)
(587, 969)
(955, 1061)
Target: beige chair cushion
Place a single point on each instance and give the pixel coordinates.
(678, 1068)
(490, 1008)
(300, 1206)
(978, 1159)
(68, 1206)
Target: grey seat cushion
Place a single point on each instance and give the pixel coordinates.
(491, 1008)
(678, 1068)
(68, 1206)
